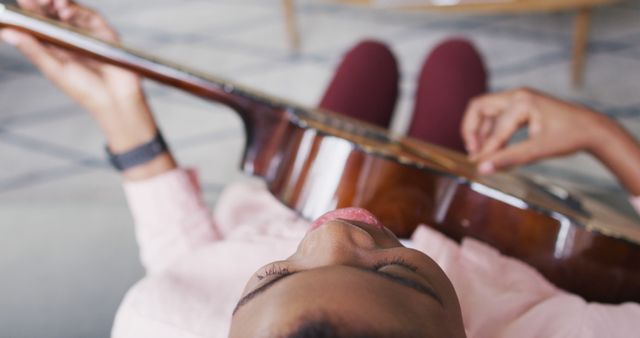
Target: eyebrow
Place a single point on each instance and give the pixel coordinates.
(429, 292)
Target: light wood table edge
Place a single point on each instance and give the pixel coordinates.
(582, 21)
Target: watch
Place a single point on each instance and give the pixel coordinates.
(138, 155)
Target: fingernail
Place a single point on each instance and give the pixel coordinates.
(10, 37)
(65, 13)
(486, 168)
(472, 147)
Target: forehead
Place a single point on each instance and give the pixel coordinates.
(354, 296)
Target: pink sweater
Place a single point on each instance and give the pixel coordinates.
(197, 265)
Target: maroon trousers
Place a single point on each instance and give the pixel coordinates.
(365, 86)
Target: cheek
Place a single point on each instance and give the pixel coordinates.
(391, 237)
(432, 271)
(443, 285)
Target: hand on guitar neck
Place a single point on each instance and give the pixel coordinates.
(115, 98)
(555, 128)
(112, 95)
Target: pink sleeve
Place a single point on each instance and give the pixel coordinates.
(635, 202)
(170, 217)
(502, 297)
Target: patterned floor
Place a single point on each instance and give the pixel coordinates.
(67, 254)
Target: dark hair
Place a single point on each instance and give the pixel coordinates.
(324, 328)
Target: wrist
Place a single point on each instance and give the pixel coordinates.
(128, 125)
(620, 152)
(126, 137)
(147, 159)
(606, 133)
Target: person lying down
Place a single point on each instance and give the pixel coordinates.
(255, 269)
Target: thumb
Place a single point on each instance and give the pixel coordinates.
(514, 155)
(35, 51)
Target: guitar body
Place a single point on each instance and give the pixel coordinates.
(316, 161)
(313, 172)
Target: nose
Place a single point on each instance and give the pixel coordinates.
(336, 242)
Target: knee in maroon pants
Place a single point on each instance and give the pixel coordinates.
(365, 85)
(451, 76)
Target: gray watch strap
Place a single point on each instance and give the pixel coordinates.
(138, 155)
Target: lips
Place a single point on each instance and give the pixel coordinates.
(348, 214)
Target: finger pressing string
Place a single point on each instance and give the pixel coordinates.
(66, 14)
(65, 9)
(511, 120)
(48, 8)
(35, 51)
(33, 6)
(468, 128)
(486, 129)
(9, 36)
(88, 20)
(518, 154)
(486, 107)
(486, 168)
(61, 4)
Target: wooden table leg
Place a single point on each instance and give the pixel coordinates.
(580, 41)
(289, 11)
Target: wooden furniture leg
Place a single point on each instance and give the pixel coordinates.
(580, 41)
(289, 12)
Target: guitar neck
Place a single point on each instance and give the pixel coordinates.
(260, 112)
(194, 82)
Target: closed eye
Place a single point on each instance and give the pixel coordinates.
(274, 270)
(395, 261)
(429, 292)
(277, 269)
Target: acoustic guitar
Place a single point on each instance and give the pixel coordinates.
(315, 161)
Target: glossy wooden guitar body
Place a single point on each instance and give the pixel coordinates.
(313, 172)
(317, 161)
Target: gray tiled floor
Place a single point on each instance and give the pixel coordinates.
(67, 253)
